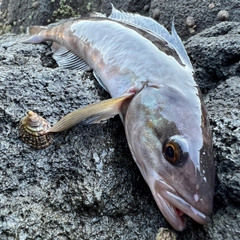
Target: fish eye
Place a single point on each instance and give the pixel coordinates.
(176, 150)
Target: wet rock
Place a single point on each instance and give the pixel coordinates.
(215, 56)
(17, 16)
(204, 13)
(224, 104)
(215, 53)
(216, 229)
(86, 184)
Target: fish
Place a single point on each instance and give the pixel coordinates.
(151, 81)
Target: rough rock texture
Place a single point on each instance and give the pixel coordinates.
(215, 53)
(16, 16)
(86, 185)
(225, 122)
(204, 13)
(216, 58)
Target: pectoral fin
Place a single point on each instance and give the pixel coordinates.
(92, 113)
(68, 60)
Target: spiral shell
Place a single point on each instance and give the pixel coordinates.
(223, 15)
(190, 21)
(34, 130)
(156, 13)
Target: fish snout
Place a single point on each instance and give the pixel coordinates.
(175, 207)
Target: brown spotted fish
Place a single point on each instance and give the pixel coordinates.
(151, 81)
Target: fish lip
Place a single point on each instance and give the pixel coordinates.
(176, 207)
(186, 208)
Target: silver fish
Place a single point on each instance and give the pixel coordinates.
(150, 78)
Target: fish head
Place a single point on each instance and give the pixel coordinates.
(170, 140)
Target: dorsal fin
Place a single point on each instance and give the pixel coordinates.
(68, 60)
(139, 21)
(151, 26)
(180, 47)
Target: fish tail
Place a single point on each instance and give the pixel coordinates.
(35, 34)
(34, 30)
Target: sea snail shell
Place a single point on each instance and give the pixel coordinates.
(34, 130)
(223, 15)
(190, 22)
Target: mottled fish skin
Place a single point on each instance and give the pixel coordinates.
(166, 122)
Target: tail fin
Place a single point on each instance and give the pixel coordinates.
(35, 36)
(33, 30)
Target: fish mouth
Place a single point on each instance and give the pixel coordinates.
(175, 208)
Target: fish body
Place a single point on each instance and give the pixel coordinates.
(102, 44)
(151, 81)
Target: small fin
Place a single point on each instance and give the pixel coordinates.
(180, 47)
(93, 113)
(33, 39)
(35, 36)
(151, 26)
(34, 30)
(99, 81)
(68, 60)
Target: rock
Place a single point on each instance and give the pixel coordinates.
(16, 17)
(216, 58)
(216, 230)
(223, 105)
(204, 13)
(215, 53)
(86, 184)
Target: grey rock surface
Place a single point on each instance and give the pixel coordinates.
(204, 14)
(86, 184)
(216, 58)
(215, 53)
(225, 122)
(16, 16)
